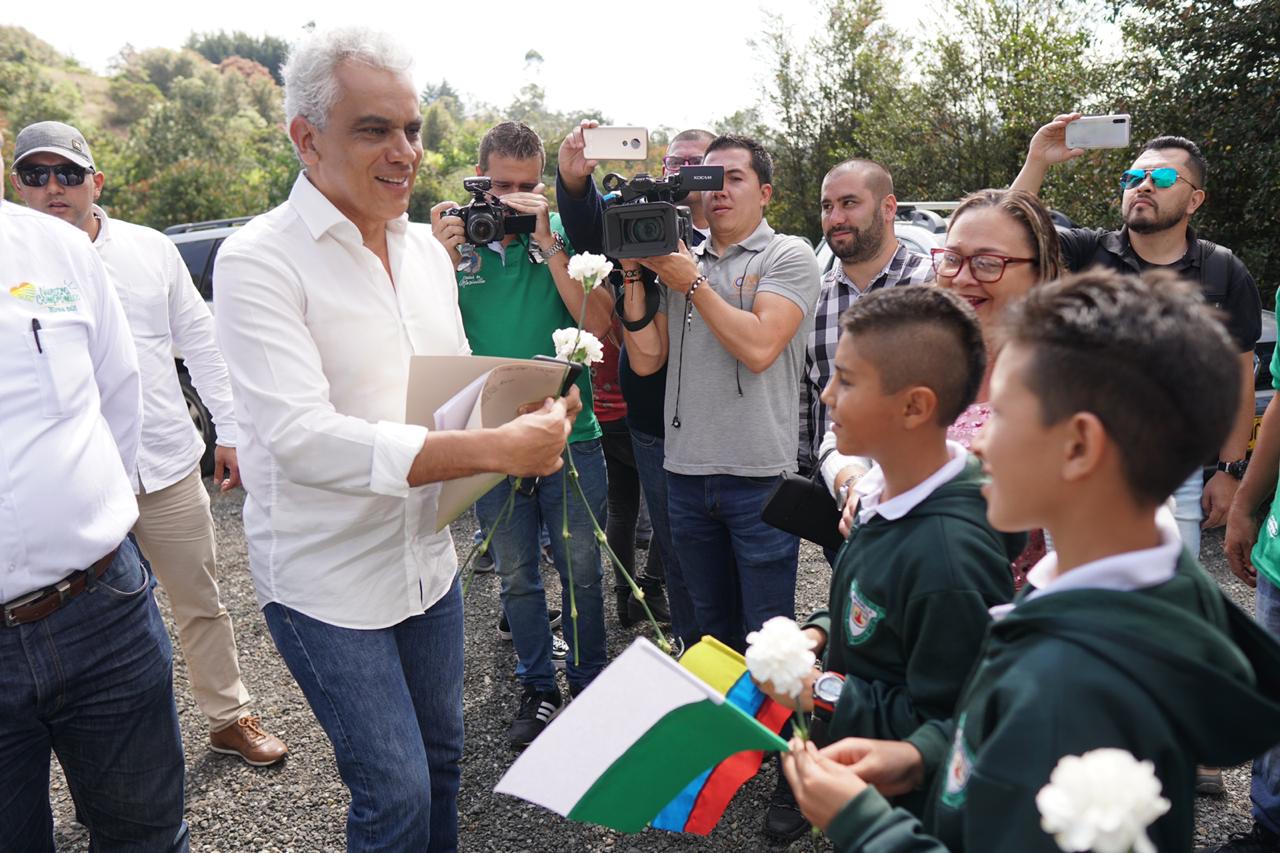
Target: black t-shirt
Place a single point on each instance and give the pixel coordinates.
(1237, 295)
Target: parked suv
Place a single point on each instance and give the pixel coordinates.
(198, 243)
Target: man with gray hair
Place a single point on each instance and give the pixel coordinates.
(321, 302)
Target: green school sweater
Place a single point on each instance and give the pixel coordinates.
(1175, 674)
(907, 612)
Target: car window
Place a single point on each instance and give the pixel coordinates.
(197, 255)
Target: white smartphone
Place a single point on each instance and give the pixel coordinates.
(615, 143)
(1099, 132)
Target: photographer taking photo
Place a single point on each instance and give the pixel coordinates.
(520, 294)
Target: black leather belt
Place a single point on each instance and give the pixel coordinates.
(39, 604)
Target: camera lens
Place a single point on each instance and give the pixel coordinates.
(482, 228)
(646, 229)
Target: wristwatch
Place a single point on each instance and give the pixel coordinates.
(540, 255)
(1235, 469)
(827, 688)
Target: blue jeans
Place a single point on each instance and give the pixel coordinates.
(1264, 788)
(650, 452)
(1188, 511)
(390, 700)
(739, 570)
(93, 683)
(515, 551)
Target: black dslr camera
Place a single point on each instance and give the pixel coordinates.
(642, 217)
(486, 219)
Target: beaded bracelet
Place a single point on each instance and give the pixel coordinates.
(693, 288)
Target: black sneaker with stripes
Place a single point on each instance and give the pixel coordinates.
(537, 708)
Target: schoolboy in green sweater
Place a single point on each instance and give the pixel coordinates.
(912, 586)
(1119, 639)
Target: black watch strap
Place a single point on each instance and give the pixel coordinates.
(1235, 469)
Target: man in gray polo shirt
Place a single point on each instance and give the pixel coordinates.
(736, 310)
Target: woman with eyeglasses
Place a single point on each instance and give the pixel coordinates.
(1000, 244)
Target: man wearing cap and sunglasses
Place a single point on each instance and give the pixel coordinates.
(54, 172)
(1160, 192)
(88, 669)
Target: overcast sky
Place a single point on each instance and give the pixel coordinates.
(692, 67)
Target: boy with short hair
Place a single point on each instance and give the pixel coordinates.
(912, 586)
(1119, 639)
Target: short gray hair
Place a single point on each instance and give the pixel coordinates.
(310, 79)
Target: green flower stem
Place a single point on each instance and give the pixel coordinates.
(468, 566)
(636, 591)
(799, 724)
(568, 561)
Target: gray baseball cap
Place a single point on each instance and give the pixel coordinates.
(52, 137)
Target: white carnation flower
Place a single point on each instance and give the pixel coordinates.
(577, 345)
(588, 269)
(780, 653)
(1102, 801)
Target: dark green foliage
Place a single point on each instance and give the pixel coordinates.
(268, 51)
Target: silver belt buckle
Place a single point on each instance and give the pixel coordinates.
(29, 598)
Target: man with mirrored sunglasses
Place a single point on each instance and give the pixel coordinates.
(1160, 192)
(54, 173)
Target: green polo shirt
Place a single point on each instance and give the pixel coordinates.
(511, 306)
(1266, 553)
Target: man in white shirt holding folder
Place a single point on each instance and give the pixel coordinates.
(321, 303)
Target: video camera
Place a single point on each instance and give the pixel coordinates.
(486, 219)
(641, 216)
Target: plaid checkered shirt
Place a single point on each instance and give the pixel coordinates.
(837, 294)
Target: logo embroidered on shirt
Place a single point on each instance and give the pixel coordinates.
(959, 769)
(862, 615)
(468, 279)
(1272, 526)
(25, 291)
(56, 299)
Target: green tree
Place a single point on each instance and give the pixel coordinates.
(992, 78)
(826, 96)
(268, 51)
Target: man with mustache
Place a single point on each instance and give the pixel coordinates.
(1163, 188)
(858, 209)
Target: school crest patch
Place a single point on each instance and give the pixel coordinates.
(862, 615)
(959, 769)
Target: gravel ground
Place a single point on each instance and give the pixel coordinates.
(301, 804)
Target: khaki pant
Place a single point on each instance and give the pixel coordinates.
(175, 531)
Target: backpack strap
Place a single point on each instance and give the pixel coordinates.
(1215, 271)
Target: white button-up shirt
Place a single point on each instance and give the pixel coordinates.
(318, 339)
(164, 308)
(70, 405)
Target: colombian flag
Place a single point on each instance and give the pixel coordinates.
(699, 806)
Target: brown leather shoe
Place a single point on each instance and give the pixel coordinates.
(246, 738)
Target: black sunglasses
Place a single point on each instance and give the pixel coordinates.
(68, 174)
